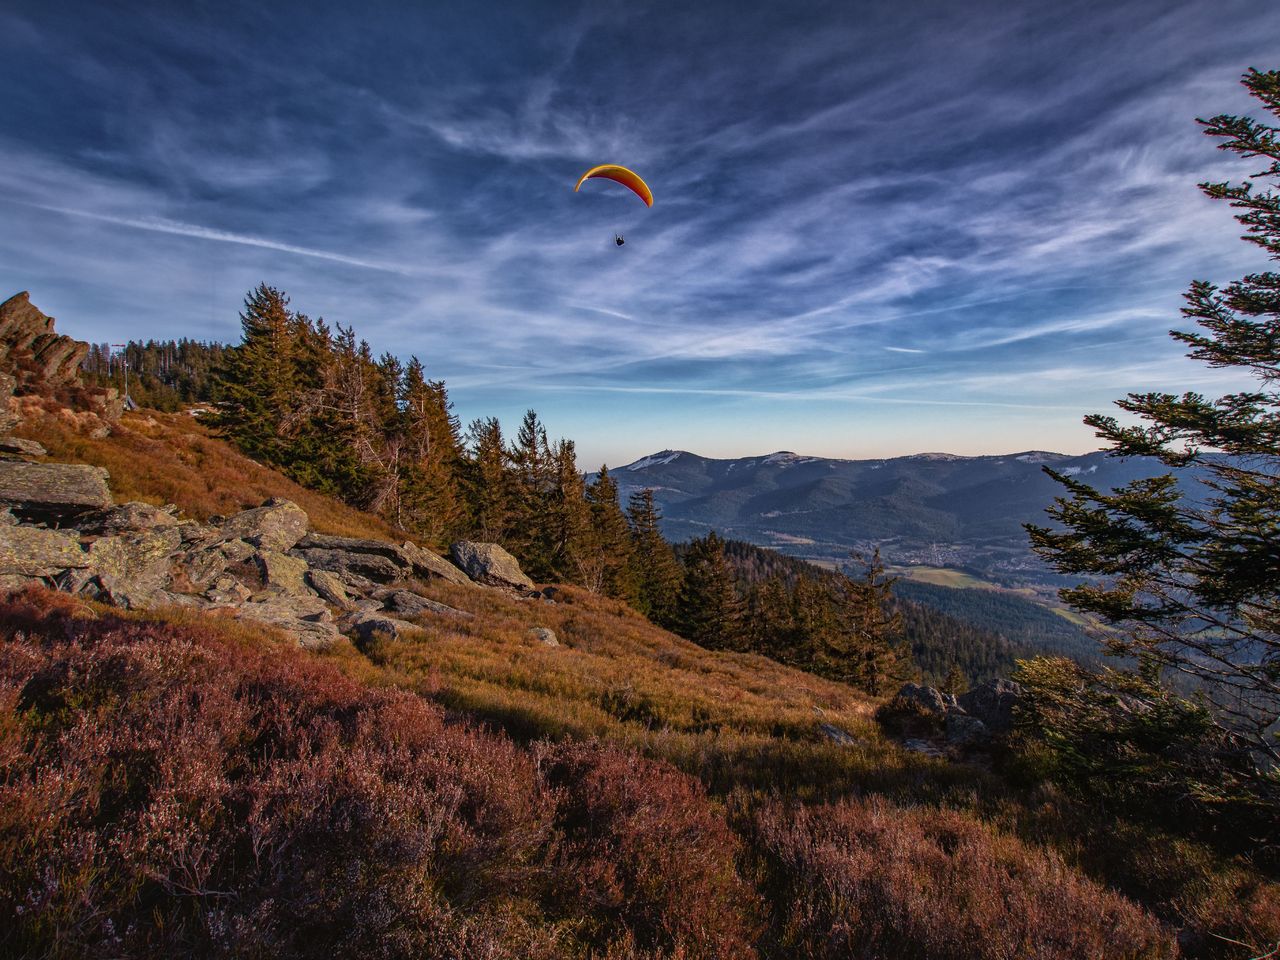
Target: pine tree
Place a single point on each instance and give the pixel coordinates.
(258, 376)
(608, 566)
(710, 612)
(655, 570)
(1193, 583)
(488, 481)
(431, 500)
(865, 650)
(568, 519)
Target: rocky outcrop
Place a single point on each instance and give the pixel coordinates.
(489, 564)
(35, 552)
(58, 527)
(972, 719)
(365, 626)
(375, 560)
(52, 493)
(410, 604)
(31, 348)
(276, 525)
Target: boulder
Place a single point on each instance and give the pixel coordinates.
(309, 630)
(993, 703)
(838, 736)
(330, 588)
(930, 699)
(489, 564)
(412, 605)
(366, 625)
(35, 552)
(276, 525)
(52, 493)
(126, 516)
(545, 636)
(427, 564)
(130, 568)
(283, 572)
(24, 448)
(371, 560)
(963, 730)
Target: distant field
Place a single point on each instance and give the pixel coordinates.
(943, 577)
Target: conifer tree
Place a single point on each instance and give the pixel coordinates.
(656, 571)
(568, 519)
(710, 612)
(488, 481)
(431, 498)
(865, 650)
(258, 376)
(609, 564)
(1193, 582)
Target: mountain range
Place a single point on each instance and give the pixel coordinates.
(930, 509)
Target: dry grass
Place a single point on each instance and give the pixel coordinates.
(163, 458)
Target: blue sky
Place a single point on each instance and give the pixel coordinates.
(878, 229)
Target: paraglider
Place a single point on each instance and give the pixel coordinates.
(628, 178)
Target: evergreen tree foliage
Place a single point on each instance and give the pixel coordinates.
(1193, 582)
(489, 484)
(610, 566)
(710, 611)
(258, 376)
(864, 649)
(657, 573)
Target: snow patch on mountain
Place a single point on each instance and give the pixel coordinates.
(655, 460)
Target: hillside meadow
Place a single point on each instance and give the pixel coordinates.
(194, 785)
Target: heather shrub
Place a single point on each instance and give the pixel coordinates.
(189, 788)
(645, 860)
(867, 879)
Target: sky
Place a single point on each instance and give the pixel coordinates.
(879, 228)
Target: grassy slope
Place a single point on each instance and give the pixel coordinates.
(163, 458)
(747, 727)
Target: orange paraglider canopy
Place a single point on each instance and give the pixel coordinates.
(628, 178)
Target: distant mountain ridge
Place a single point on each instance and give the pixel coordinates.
(935, 509)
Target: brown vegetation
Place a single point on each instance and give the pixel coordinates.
(179, 789)
(163, 458)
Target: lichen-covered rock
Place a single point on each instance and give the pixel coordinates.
(35, 552)
(54, 493)
(311, 632)
(365, 625)
(125, 517)
(371, 560)
(276, 525)
(411, 604)
(993, 703)
(545, 636)
(131, 567)
(489, 564)
(330, 588)
(282, 571)
(427, 564)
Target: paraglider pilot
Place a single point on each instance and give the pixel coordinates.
(617, 238)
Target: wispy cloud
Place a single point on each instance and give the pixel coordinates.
(968, 206)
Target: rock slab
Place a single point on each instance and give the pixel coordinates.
(489, 564)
